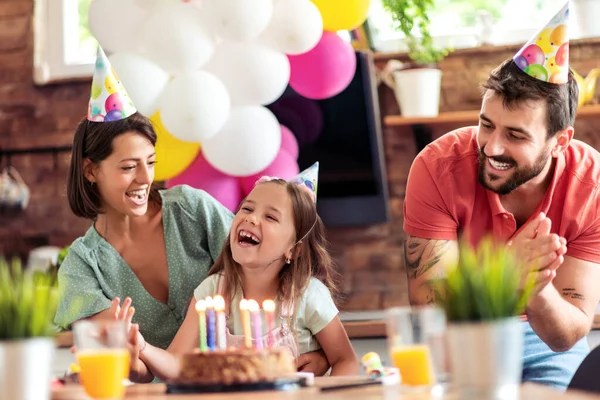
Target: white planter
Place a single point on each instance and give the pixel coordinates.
(25, 369)
(486, 359)
(417, 90)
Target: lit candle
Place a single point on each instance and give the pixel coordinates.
(210, 322)
(256, 322)
(201, 309)
(269, 307)
(246, 322)
(219, 303)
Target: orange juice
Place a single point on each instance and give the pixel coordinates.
(103, 371)
(414, 363)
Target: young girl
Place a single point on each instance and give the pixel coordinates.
(275, 250)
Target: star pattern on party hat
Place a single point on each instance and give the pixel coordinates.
(546, 55)
(109, 100)
(309, 179)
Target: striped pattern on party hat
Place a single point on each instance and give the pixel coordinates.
(109, 100)
(546, 55)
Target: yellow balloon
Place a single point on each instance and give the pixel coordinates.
(342, 15)
(173, 156)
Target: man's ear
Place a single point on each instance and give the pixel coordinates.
(89, 170)
(563, 139)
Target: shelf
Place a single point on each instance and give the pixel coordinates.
(470, 116)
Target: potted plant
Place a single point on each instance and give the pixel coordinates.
(417, 84)
(483, 297)
(28, 303)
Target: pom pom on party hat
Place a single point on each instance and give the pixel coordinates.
(109, 100)
(309, 179)
(546, 55)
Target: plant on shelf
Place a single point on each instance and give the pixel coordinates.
(28, 302)
(408, 14)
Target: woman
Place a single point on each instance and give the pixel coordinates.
(153, 246)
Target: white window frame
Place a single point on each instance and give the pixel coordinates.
(52, 36)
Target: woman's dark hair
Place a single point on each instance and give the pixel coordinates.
(516, 87)
(94, 141)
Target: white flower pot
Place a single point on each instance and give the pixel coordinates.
(417, 90)
(486, 358)
(25, 369)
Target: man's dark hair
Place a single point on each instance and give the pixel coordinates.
(515, 87)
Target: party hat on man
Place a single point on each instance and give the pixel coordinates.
(109, 100)
(546, 55)
(309, 179)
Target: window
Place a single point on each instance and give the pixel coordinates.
(459, 23)
(64, 48)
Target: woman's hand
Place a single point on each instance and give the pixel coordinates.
(315, 362)
(135, 341)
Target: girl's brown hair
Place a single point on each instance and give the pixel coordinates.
(94, 141)
(310, 255)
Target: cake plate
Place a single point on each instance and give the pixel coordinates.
(278, 384)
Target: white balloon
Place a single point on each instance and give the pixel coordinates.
(254, 74)
(143, 79)
(117, 24)
(194, 106)
(238, 20)
(296, 27)
(176, 39)
(247, 144)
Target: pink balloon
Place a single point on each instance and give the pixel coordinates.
(200, 174)
(289, 142)
(324, 71)
(284, 166)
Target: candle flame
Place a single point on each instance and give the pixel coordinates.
(219, 303)
(201, 305)
(243, 304)
(269, 305)
(253, 306)
(209, 302)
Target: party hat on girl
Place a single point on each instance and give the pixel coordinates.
(109, 100)
(546, 55)
(309, 179)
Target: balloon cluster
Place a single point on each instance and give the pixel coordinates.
(206, 70)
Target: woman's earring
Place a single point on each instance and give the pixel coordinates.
(288, 261)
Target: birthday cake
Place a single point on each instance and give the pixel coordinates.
(231, 366)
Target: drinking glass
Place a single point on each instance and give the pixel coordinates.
(103, 357)
(416, 343)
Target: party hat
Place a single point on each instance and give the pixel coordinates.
(109, 100)
(546, 55)
(309, 178)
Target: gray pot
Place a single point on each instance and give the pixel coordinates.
(486, 358)
(25, 368)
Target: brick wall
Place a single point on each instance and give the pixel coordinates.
(370, 258)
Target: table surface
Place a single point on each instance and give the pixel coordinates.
(157, 392)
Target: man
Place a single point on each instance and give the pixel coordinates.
(522, 178)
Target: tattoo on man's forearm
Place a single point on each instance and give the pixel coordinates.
(423, 254)
(572, 294)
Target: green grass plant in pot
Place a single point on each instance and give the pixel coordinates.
(483, 297)
(27, 306)
(417, 83)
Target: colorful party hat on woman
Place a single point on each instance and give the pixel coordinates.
(546, 56)
(109, 100)
(309, 179)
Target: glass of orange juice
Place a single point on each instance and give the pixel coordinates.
(103, 357)
(415, 337)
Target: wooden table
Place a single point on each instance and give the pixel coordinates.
(157, 392)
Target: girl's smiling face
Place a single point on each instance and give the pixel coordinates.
(263, 231)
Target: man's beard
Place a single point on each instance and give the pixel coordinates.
(519, 176)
